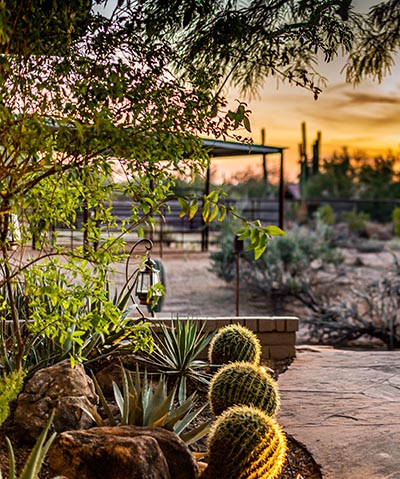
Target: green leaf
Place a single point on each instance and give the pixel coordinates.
(274, 231)
(205, 212)
(194, 206)
(246, 123)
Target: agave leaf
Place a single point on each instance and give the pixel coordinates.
(125, 407)
(182, 389)
(185, 419)
(160, 409)
(104, 402)
(119, 398)
(11, 459)
(93, 414)
(180, 412)
(160, 421)
(37, 455)
(135, 398)
(196, 433)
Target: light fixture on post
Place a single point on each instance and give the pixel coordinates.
(144, 277)
(148, 276)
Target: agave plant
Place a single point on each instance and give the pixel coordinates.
(142, 404)
(35, 460)
(176, 351)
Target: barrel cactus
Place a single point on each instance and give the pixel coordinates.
(245, 443)
(243, 383)
(234, 343)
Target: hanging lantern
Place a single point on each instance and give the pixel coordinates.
(148, 276)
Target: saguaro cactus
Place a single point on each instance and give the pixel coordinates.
(243, 383)
(245, 443)
(234, 343)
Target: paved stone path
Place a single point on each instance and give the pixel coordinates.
(345, 407)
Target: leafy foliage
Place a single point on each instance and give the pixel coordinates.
(10, 386)
(357, 222)
(379, 38)
(94, 321)
(326, 214)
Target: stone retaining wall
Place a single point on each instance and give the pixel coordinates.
(277, 334)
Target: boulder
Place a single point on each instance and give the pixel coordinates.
(67, 390)
(122, 452)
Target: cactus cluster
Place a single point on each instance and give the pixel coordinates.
(234, 343)
(245, 443)
(246, 384)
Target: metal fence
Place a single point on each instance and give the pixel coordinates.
(172, 230)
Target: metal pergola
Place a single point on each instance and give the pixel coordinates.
(221, 149)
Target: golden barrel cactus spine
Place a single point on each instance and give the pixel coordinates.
(243, 383)
(245, 443)
(234, 343)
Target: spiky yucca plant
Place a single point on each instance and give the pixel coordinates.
(243, 383)
(234, 343)
(176, 353)
(245, 443)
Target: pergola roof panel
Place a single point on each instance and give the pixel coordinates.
(220, 148)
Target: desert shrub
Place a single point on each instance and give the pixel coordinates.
(326, 214)
(356, 222)
(59, 319)
(396, 221)
(372, 312)
(286, 266)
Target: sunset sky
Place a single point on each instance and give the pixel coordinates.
(366, 117)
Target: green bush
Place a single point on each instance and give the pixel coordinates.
(286, 266)
(10, 386)
(59, 320)
(356, 222)
(326, 214)
(396, 221)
